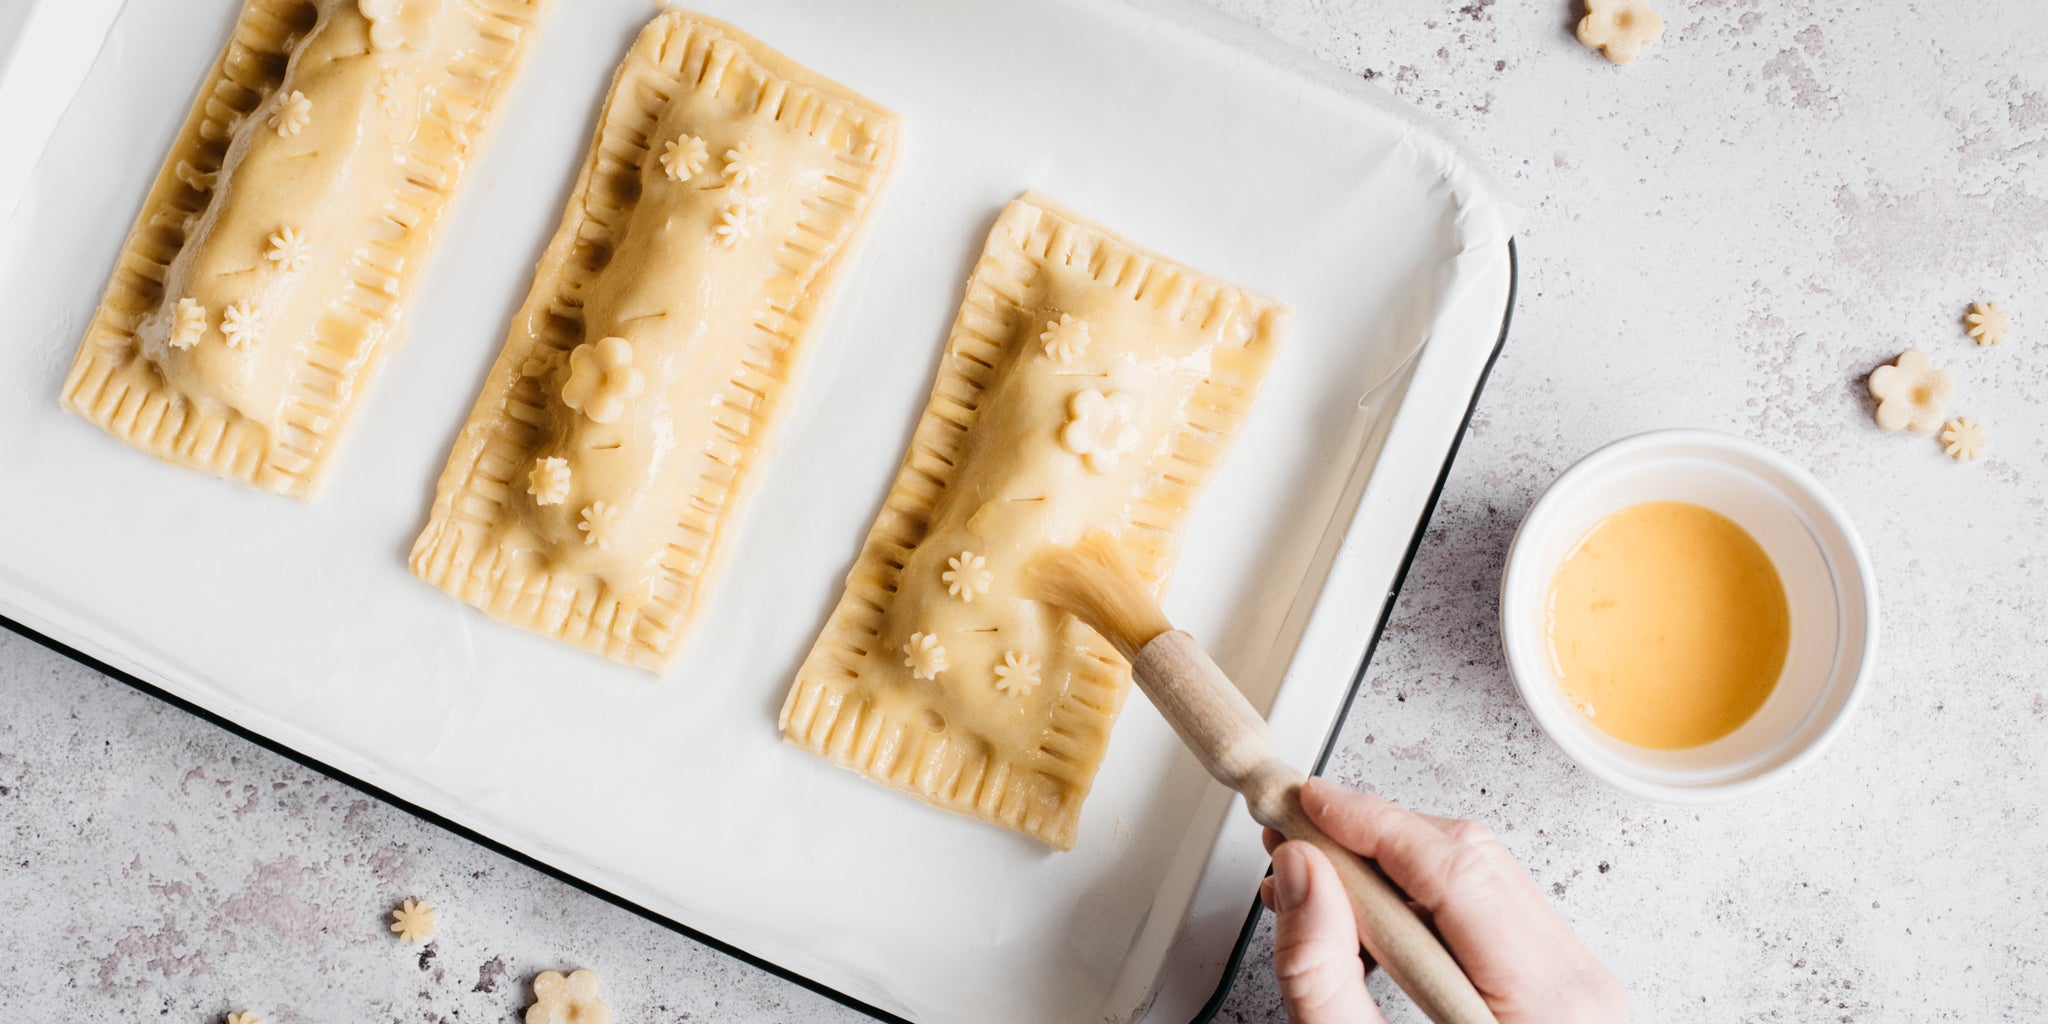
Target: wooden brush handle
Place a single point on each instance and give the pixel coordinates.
(1231, 739)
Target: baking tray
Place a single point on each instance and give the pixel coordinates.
(299, 626)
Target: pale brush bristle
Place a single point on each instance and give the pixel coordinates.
(1096, 583)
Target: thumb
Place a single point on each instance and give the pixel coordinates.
(1315, 942)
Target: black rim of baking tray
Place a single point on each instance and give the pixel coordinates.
(1237, 951)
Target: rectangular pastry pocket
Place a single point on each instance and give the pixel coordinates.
(265, 278)
(1087, 384)
(596, 488)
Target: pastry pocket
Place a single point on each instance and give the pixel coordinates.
(265, 278)
(1086, 384)
(595, 489)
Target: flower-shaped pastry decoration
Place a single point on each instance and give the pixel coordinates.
(294, 112)
(395, 92)
(244, 1017)
(386, 31)
(1989, 324)
(924, 657)
(602, 379)
(549, 481)
(742, 166)
(415, 921)
(240, 325)
(1619, 29)
(570, 1000)
(967, 576)
(189, 324)
(735, 222)
(1017, 674)
(1101, 429)
(289, 250)
(1964, 439)
(682, 157)
(1910, 393)
(1065, 339)
(598, 520)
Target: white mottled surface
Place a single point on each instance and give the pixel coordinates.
(1729, 233)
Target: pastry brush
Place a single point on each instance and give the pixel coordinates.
(1095, 582)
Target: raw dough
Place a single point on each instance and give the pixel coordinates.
(570, 1000)
(267, 274)
(1963, 439)
(1988, 323)
(1910, 393)
(597, 485)
(1086, 384)
(416, 921)
(1620, 29)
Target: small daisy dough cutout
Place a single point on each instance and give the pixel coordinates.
(1964, 439)
(244, 1017)
(549, 481)
(682, 157)
(742, 168)
(416, 921)
(570, 1000)
(240, 325)
(1910, 393)
(394, 93)
(1065, 339)
(1989, 324)
(289, 250)
(1017, 674)
(602, 379)
(190, 325)
(598, 520)
(924, 657)
(967, 576)
(733, 226)
(292, 115)
(1619, 29)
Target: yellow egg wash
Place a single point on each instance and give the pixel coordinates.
(1667, 625)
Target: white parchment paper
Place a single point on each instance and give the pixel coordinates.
(301, 622)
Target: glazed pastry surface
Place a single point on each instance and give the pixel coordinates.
(1087, 384)
(267, 274)
(597, 485)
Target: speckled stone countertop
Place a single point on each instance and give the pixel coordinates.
(1729, 233)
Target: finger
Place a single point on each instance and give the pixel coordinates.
(1266, 894)
(1416, 854)
(1272, 838)
(1315, 942)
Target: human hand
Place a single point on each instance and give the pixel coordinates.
(1519, 953)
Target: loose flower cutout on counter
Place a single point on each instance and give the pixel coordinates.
(1065, 339)
(240, 325)
(1964, 439)
(570, 1000)
(923, 656)
(967, 576)
(289, 250)
(602, 379)
(598, 519)
(190, 325)
(1619, 29)
(1017, 674)
(415, 921)
(1911, 393)
(244, 1017)
(1100, 428)
(292, 115)
(549, 481)
(682, 158)
(742, 168)
(1989, 324)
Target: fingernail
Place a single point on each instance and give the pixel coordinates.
(1290, 877)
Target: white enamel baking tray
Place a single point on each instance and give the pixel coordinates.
(300, 625)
